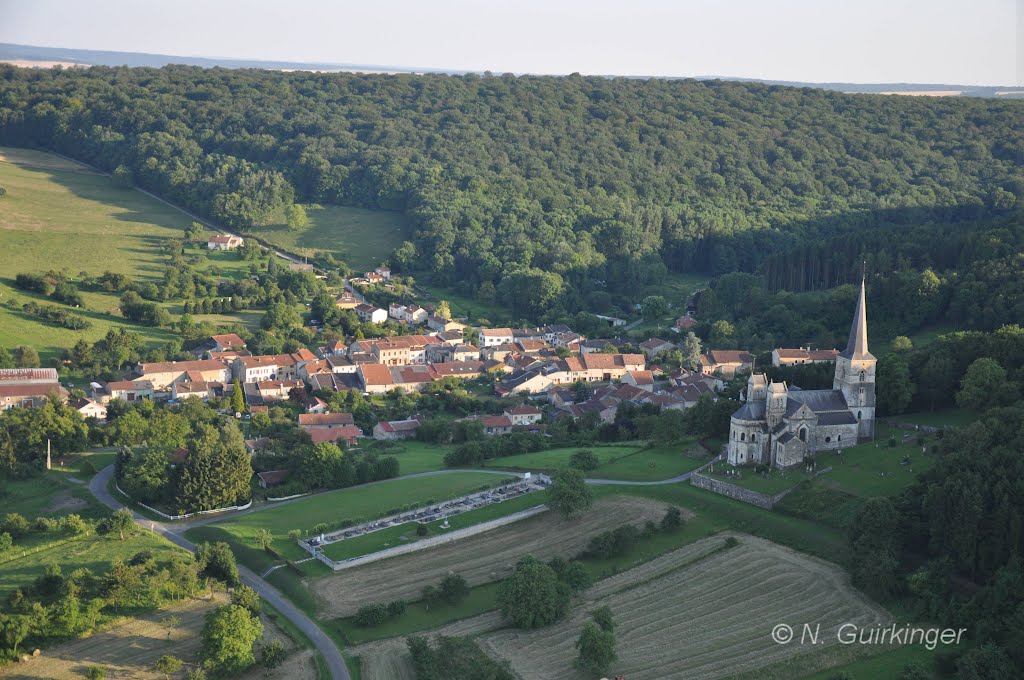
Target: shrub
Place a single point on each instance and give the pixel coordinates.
(396, 609)
(892, 442)
(454, 588)
(44, 525)
(14, 524)
(584, 460)
(87, 468)
(422, 530)
(672, 520)
(371, 615)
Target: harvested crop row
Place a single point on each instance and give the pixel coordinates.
(479, 559)
(709, 620)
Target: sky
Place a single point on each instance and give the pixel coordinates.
(968, 42)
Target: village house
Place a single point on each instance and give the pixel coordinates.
(316, 405)
(457, 369)
(524, 414)
(257, 444)
(396, 311)
(341, 365)
(163, 374)
(495, 425)
(229, 342)
(390, 353)
(224, 242)
(495, 336)
(347, 434)
(642, 379)
(396, 429)
(440, 354)
(803, 355)
(411, 378)
(533, 381)
(568, 339)
(375, 378)
(271, 366)
(384, 272)
(414, 314)
(324, 421)
(612, 321)
(440, 324)
(726, 362)
(89, 408)
(129, 390)
(25, 387)
(606, 367)
(336, 348)
(202, 390)
(656, 346)
(497, 352)
(685, 323)
(347, 300)
(453, 337)
(335, 382)
(367, 313)
(272, 478)
(308, 369)
(276, 390)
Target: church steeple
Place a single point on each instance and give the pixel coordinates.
(857, 345)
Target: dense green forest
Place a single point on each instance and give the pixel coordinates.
(571, 192)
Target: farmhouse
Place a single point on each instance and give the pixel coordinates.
(271, 366)
(685, 323)
(335, 382)
(440, 324)
(440, 354)
(495, 425)
(726, 362)
(781, 425)
(411, 378)
(277, 390)
(28, 387)
(224, 242)
(642, 379)
(202, 390)
(396, 429)
(803, 355)
(656, 346)
(163, 374)
(316, 405)
(225, 343)
(375, 378)
(530, 382)
(456, 369)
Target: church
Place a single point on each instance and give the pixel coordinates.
(781, 425)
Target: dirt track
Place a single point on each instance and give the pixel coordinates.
(479, 559)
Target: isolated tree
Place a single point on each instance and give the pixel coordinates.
(26, 357)
(654, 307)
(264, 538)
(983, 385)
(443, 310)
(569, 494)
(237, 397)
(533, 596)
(296, 218)
(229, 636)
(690, 349)
(122, 521)
(722, 333)
(454, 588)
(901, 343)
(13, 631)
(273, 655)
(595, 649)
(122, 177)
(672, 520)
(167, 665)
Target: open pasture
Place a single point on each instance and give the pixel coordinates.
(710, 619)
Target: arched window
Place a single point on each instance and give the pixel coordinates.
(839, 438)
(803, 434)
(862, 376)
(743, 437)
(753, 438)
(734, 435)
(858, 415)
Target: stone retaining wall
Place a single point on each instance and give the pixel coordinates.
(425, 543)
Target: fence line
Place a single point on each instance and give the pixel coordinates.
(186, 515)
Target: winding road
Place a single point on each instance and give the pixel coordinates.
(324, 645)
(173, 532)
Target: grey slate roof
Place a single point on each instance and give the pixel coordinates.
(752, 410)
(820, 400)
(837, 418)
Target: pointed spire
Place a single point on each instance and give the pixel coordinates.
(857, 345)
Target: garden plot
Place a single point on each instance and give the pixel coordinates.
(711, 619)
(479, 559)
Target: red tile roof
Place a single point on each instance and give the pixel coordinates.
(231, 340)
(347, 432)
(495, 421)
(376, 374)
(313, 419)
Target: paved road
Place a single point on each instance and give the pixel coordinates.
(326, 647)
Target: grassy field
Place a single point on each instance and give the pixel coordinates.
(945, 417)
(875, 468)
(362, 238)
(771, 483)
(62, 216)
(465, 306)
(54, 493)
(406, 533)
(355, 504)
(626, 463)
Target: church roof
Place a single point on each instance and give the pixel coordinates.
(818, 400)
(857, 345)
(752, 410)
(785, 439)
(836, 418)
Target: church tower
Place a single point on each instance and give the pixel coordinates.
(855, 371)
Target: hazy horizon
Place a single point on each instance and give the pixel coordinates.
(875, 42)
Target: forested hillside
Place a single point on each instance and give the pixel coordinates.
(570, 192)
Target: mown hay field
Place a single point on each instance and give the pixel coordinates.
(711, 619)
(479, 559)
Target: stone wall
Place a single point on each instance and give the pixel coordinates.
(737, 492)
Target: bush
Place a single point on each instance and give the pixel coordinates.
(15, 525)
(892, 442)
(454, 588)
(371, 615)
(422, 530)
(672, 520)
(87, 468)
(33, 283)
(584, 460)
(396, 609)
